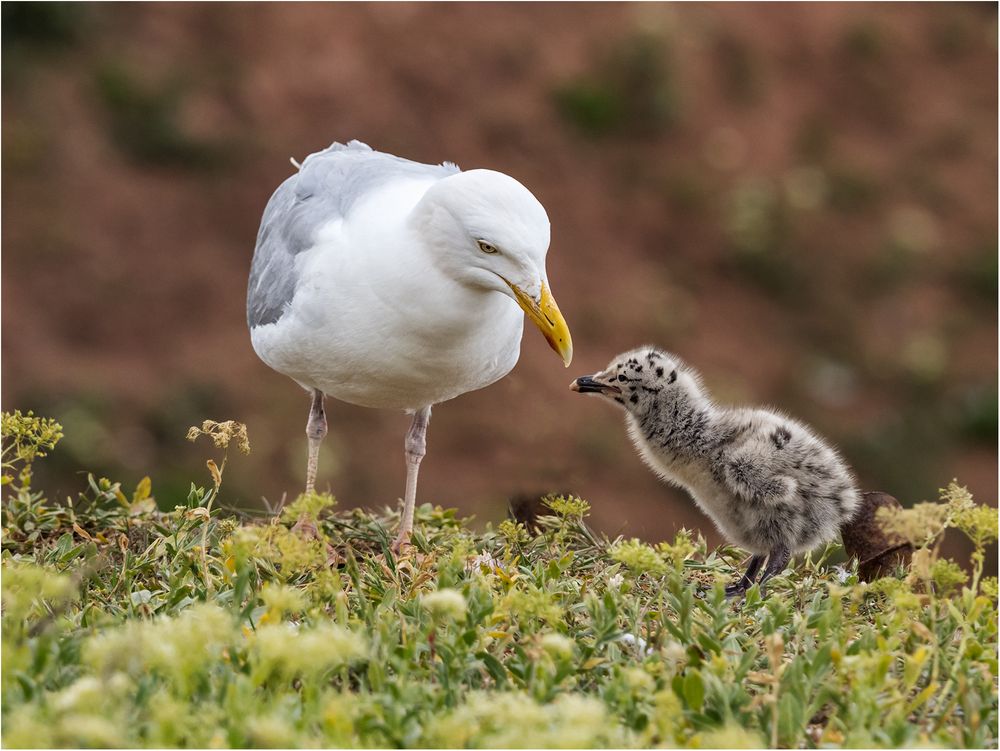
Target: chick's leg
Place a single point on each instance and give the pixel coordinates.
(415, 447)
(776, 563)
(315, 431)
(746, 581)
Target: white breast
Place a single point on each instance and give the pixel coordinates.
(374, 323)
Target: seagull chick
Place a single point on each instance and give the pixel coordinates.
(389, 283)
(769, 483)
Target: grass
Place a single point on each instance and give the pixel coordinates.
(40, 24)
(126, 625)
(145, 121)
(739, 70)
(632, 90)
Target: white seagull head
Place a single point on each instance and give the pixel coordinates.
(487, 230)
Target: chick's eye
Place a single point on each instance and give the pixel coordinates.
(486, 247)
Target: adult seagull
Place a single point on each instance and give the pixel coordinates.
(388, 283)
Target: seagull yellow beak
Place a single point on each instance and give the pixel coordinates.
(546, 316)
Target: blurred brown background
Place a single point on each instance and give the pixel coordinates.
(799, 199)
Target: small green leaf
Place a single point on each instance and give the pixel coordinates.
(64, 545)
(791, 717)
(694, 690)
(494, 667)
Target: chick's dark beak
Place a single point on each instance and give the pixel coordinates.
(587, 385)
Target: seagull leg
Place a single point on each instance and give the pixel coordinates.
(776, 563)
(746, 581)
(315, 431)
(415, 447)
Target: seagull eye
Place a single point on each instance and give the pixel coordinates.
(486, 247)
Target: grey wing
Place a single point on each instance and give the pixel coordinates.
(326, 187)
(272, 273)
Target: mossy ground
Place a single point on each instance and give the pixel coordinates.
(124, 625)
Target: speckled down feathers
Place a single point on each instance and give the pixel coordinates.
(766, 480)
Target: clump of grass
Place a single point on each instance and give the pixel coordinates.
(127, 626)
(739, 70)
(631, 90)
(952, 35)
(41, 24)
(923, 525)
(145, 121)
(26, 438)
(977, 412)
(852, 190)
(865, 62)
(863, 42)
(979, 273)
(759, 228)
(814, 138)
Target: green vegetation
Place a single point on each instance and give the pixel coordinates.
(146, 123)
(124, 625)
(980, 275)
(43, 24)
(977, 415)
(852, 190)
(633, 91)
(739, 69)
(758, 228)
